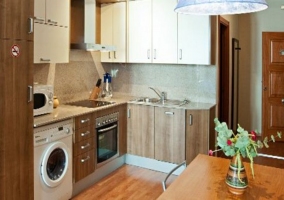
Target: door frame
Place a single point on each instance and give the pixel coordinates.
(224, 101)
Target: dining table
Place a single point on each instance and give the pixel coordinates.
(204, 178)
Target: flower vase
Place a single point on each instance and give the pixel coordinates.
(236, 185)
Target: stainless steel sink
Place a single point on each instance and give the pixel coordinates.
(158, 102)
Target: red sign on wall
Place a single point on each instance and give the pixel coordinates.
(15, 50)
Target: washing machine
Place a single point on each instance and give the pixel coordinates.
(53, 161)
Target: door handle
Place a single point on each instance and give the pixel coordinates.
(282, 100)
(30, 93)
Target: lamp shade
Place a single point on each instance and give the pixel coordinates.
(219, 7)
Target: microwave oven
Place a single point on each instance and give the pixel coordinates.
(43, 99)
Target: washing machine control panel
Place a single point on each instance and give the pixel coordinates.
(52, 132)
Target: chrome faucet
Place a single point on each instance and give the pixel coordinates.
(162, 95)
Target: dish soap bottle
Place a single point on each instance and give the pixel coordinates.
(107, 89)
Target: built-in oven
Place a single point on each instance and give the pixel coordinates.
(107, 135)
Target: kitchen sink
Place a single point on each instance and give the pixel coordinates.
(155, 101)
(90, 103)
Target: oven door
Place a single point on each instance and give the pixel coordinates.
(107, 143)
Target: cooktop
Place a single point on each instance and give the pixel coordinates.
(89, 103)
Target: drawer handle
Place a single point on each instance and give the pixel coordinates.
(85, 134)
(85, 159)
(51, 21)
(45, 59)
(83, 121)
(169, 113)
(86, 146)
(39, 19)
(190, 120)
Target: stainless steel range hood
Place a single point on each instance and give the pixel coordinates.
(83, 27)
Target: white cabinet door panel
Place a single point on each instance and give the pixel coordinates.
(58, 11)
(194, 39)
(164, 31)
(39, 10)
(140, 38)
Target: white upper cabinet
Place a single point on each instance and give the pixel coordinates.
(51, 31)
(152, 31)
(140, 32)
(55, 12)
(164, 32)
(113, 31)
(194, 43)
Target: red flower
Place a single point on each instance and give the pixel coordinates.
(229, 142)
(210, 153)
(253, 135)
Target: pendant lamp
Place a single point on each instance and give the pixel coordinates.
(219, 7)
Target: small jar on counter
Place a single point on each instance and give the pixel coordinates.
(55, 102)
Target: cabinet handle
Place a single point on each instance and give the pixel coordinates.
(282, 52)
(85, 134)
(30, 25)
(190, 120)
(114, 54)
(45, 59)
(282, 100)
(155, 52)
(30, 93)
(128, 112)
(38, 19)
(83, 121)
(169, 113)
(86, 146)
(109, 55)
(148, 53)
(85, 159)
(180, 54)
(52, 22)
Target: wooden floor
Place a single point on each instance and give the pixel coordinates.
(128, 182)
(135, 183)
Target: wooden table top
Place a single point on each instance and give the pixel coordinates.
(204, 178)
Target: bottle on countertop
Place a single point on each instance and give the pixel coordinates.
(107, 89)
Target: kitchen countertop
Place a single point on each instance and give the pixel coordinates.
(63, 112)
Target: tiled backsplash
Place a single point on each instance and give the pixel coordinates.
(75, 80)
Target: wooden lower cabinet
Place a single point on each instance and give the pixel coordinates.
(84, 147)
(140, 130)
(200, 133)
(170, 134)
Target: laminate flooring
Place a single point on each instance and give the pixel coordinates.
(135, 183)
(127, 183)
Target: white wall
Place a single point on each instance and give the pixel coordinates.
(251, 27)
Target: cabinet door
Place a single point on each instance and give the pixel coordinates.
(119, 31)
(106, 30)
(16, 127)
(200, 133)
(194, 39)
(58, 11)
(51, 44)
(139, 30)
(170, 134)
(14, 16)
(39, 11)
(140, 130)
(164, 31)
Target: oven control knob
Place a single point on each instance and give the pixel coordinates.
(99, 124)
(50, 102)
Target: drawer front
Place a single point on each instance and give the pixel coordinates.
(84, 133)
(84, 146)
(84, 165)
(83, 121)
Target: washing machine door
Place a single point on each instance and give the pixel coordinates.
(54, 164)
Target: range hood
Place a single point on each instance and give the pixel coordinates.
(83, 26)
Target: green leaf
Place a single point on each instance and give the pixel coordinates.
(272, 138)
(279, 134)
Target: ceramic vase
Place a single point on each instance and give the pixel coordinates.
(236, 185)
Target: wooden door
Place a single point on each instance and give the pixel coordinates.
(14, 21)
(140, 130)
(170, 134)
(273, 83)
(16, 127)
